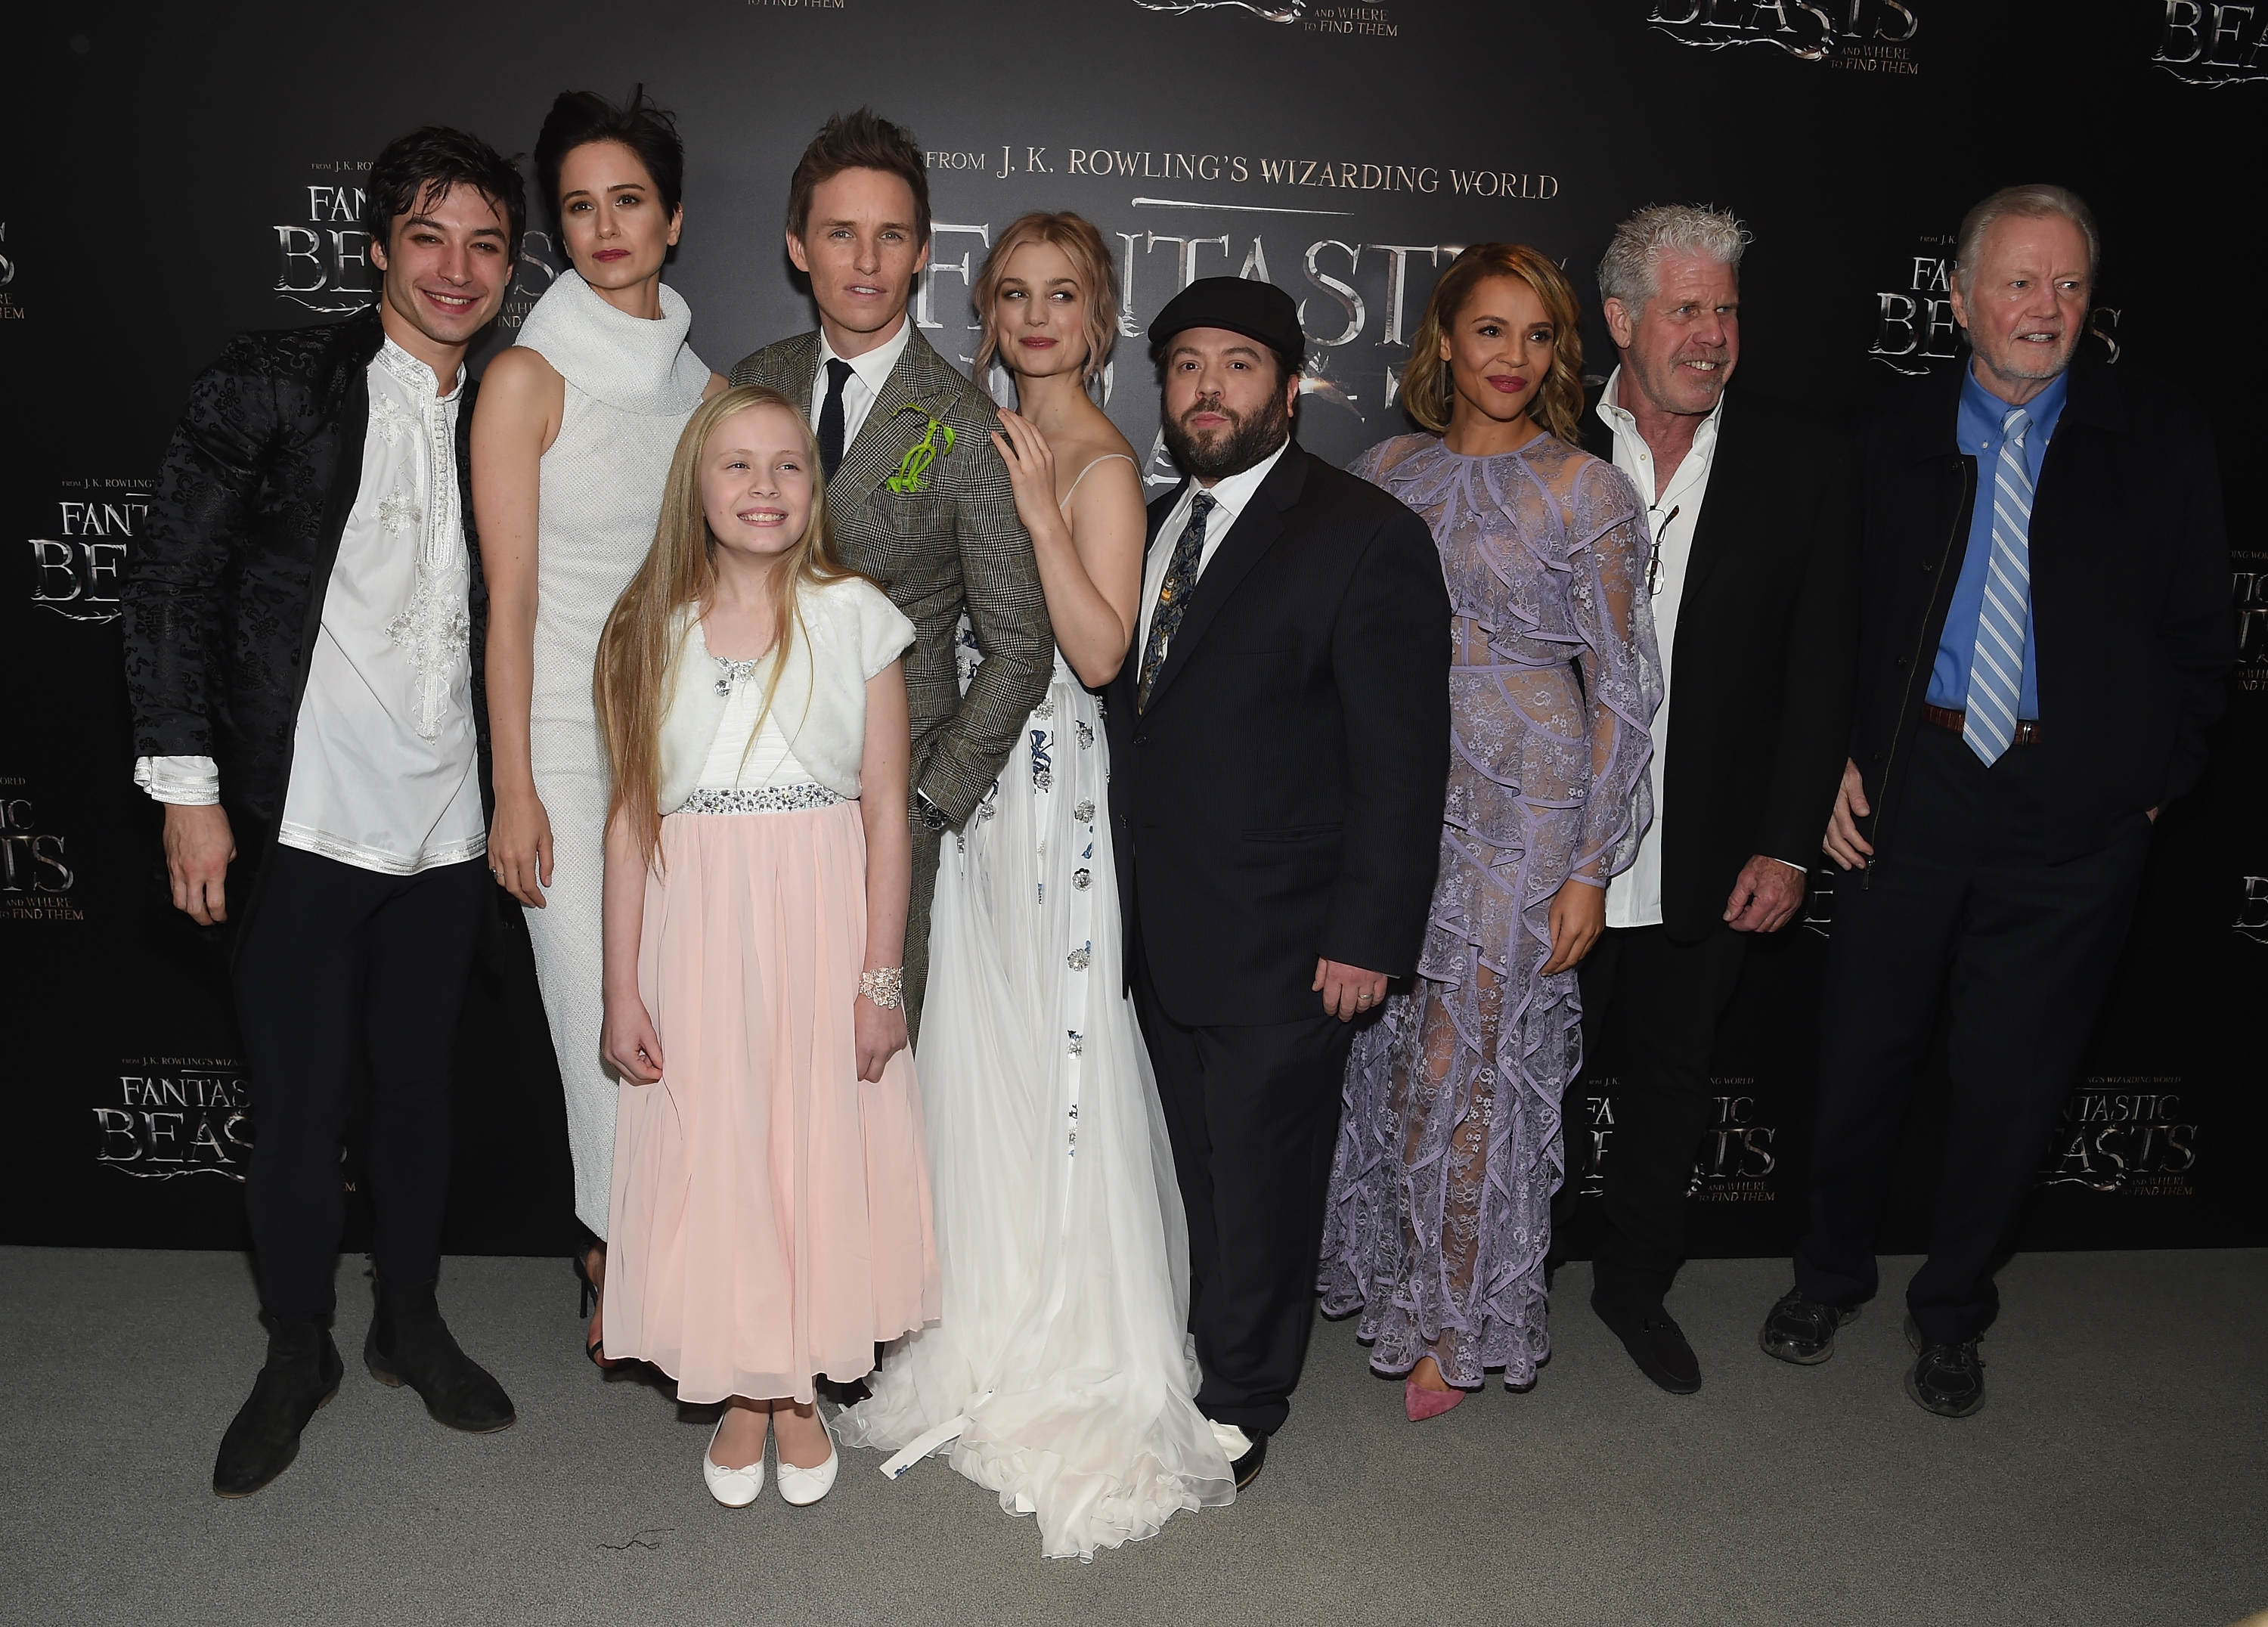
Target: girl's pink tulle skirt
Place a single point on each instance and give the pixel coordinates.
(770, 1217)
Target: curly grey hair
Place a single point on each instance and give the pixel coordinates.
(2032, 202)
(1627, 271)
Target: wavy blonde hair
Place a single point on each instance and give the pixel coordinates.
(630, 686)
(1082, 245)
(1429, 392)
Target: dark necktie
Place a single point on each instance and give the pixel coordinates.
(1173, 595)
(830, 418)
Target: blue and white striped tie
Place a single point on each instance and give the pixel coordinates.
(1996, 669)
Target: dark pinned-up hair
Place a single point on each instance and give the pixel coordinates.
(430, 163)
(578, 118)
(860, 140)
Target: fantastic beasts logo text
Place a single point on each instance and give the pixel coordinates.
(1871, 36)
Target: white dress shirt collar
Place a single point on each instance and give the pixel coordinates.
(1231, 493)
(1694, 465)
(869, 373)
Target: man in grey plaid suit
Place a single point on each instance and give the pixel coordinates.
(920, 500)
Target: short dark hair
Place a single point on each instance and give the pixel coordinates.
(433, 162)
(578, 118)
(860, 140)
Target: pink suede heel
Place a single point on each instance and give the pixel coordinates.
(1422, 1403)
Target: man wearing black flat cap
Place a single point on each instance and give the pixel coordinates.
(1279, 745)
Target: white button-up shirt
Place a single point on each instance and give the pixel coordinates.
(1230, 494)
(1672, 511)
(384, 770)
(868, 374)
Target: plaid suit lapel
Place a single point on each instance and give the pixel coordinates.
(889, 430)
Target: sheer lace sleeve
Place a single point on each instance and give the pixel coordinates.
(1621, 666)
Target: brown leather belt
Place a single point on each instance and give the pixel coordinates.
(2028, 732)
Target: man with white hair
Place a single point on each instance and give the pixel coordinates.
(1751, 508)
(2043, 639)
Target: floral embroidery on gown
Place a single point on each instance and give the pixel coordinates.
(1063, 1374)
(1450, 1147)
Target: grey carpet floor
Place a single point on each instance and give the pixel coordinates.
(2118, 1475)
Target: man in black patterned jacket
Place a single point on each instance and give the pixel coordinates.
(300, 629)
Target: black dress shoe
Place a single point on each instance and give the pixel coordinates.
(1655, 1342)
(1802, 1330)
(409, 1344)
(1247, 1469)
(1948, 1380)
(302, 1372)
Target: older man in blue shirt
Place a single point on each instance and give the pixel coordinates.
(2044, 540)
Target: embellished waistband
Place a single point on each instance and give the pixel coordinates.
(761, 800)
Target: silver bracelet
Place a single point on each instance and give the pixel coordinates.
(885, 986)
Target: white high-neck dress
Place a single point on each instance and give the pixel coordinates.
(631, 384)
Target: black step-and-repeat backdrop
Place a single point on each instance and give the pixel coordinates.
(177, 173)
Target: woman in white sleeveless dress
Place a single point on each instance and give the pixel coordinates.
(572, 438)
(1062, 1372)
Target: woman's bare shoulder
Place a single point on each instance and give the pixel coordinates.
(520, 377)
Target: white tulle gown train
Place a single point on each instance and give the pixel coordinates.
(1062, 1358)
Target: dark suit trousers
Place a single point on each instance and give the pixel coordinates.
(927, 845)
(1960, 907)
(340, 963)
(1254, 1114)
(1656, 1005)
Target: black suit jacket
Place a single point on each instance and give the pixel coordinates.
(224, 598)
(1281, 798)
(1761, 671)
(2130, 607)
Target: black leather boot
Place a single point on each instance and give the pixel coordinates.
(302, 1372)
(409, 1344)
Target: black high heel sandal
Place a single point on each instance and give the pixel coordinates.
(589, 1302)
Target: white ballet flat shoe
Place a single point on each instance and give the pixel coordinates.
(806, 1486)
(735, 1488)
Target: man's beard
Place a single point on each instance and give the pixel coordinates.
(2033, 362)
(1248, 440)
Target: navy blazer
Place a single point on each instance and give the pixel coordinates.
(1280, 801)
(2130, 597)
(1761, 669)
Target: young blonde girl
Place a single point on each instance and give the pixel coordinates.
(771, 1211)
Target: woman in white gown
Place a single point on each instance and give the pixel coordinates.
(1062, 1372)
(572, 437)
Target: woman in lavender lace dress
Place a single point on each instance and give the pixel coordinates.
(1450, 1148)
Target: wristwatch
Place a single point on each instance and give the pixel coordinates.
(932, 817)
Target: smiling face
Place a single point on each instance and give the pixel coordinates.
(2024, 302)
(1039, 312)
(611, 221)
(1499, 348)
(757, 481)
(446, 266)
(1680, 349)
(860, 247)
(1227, 404)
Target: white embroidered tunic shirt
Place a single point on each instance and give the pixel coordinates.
(383, 771)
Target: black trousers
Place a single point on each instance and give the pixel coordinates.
(1254, 1114)
(340, 963)
(1961, 908)
(1657, 1004)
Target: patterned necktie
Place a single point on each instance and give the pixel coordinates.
(1996, 669)
(830, 418)
(1173, 595)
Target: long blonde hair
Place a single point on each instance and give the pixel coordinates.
(631, 684)
(1428, 392)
